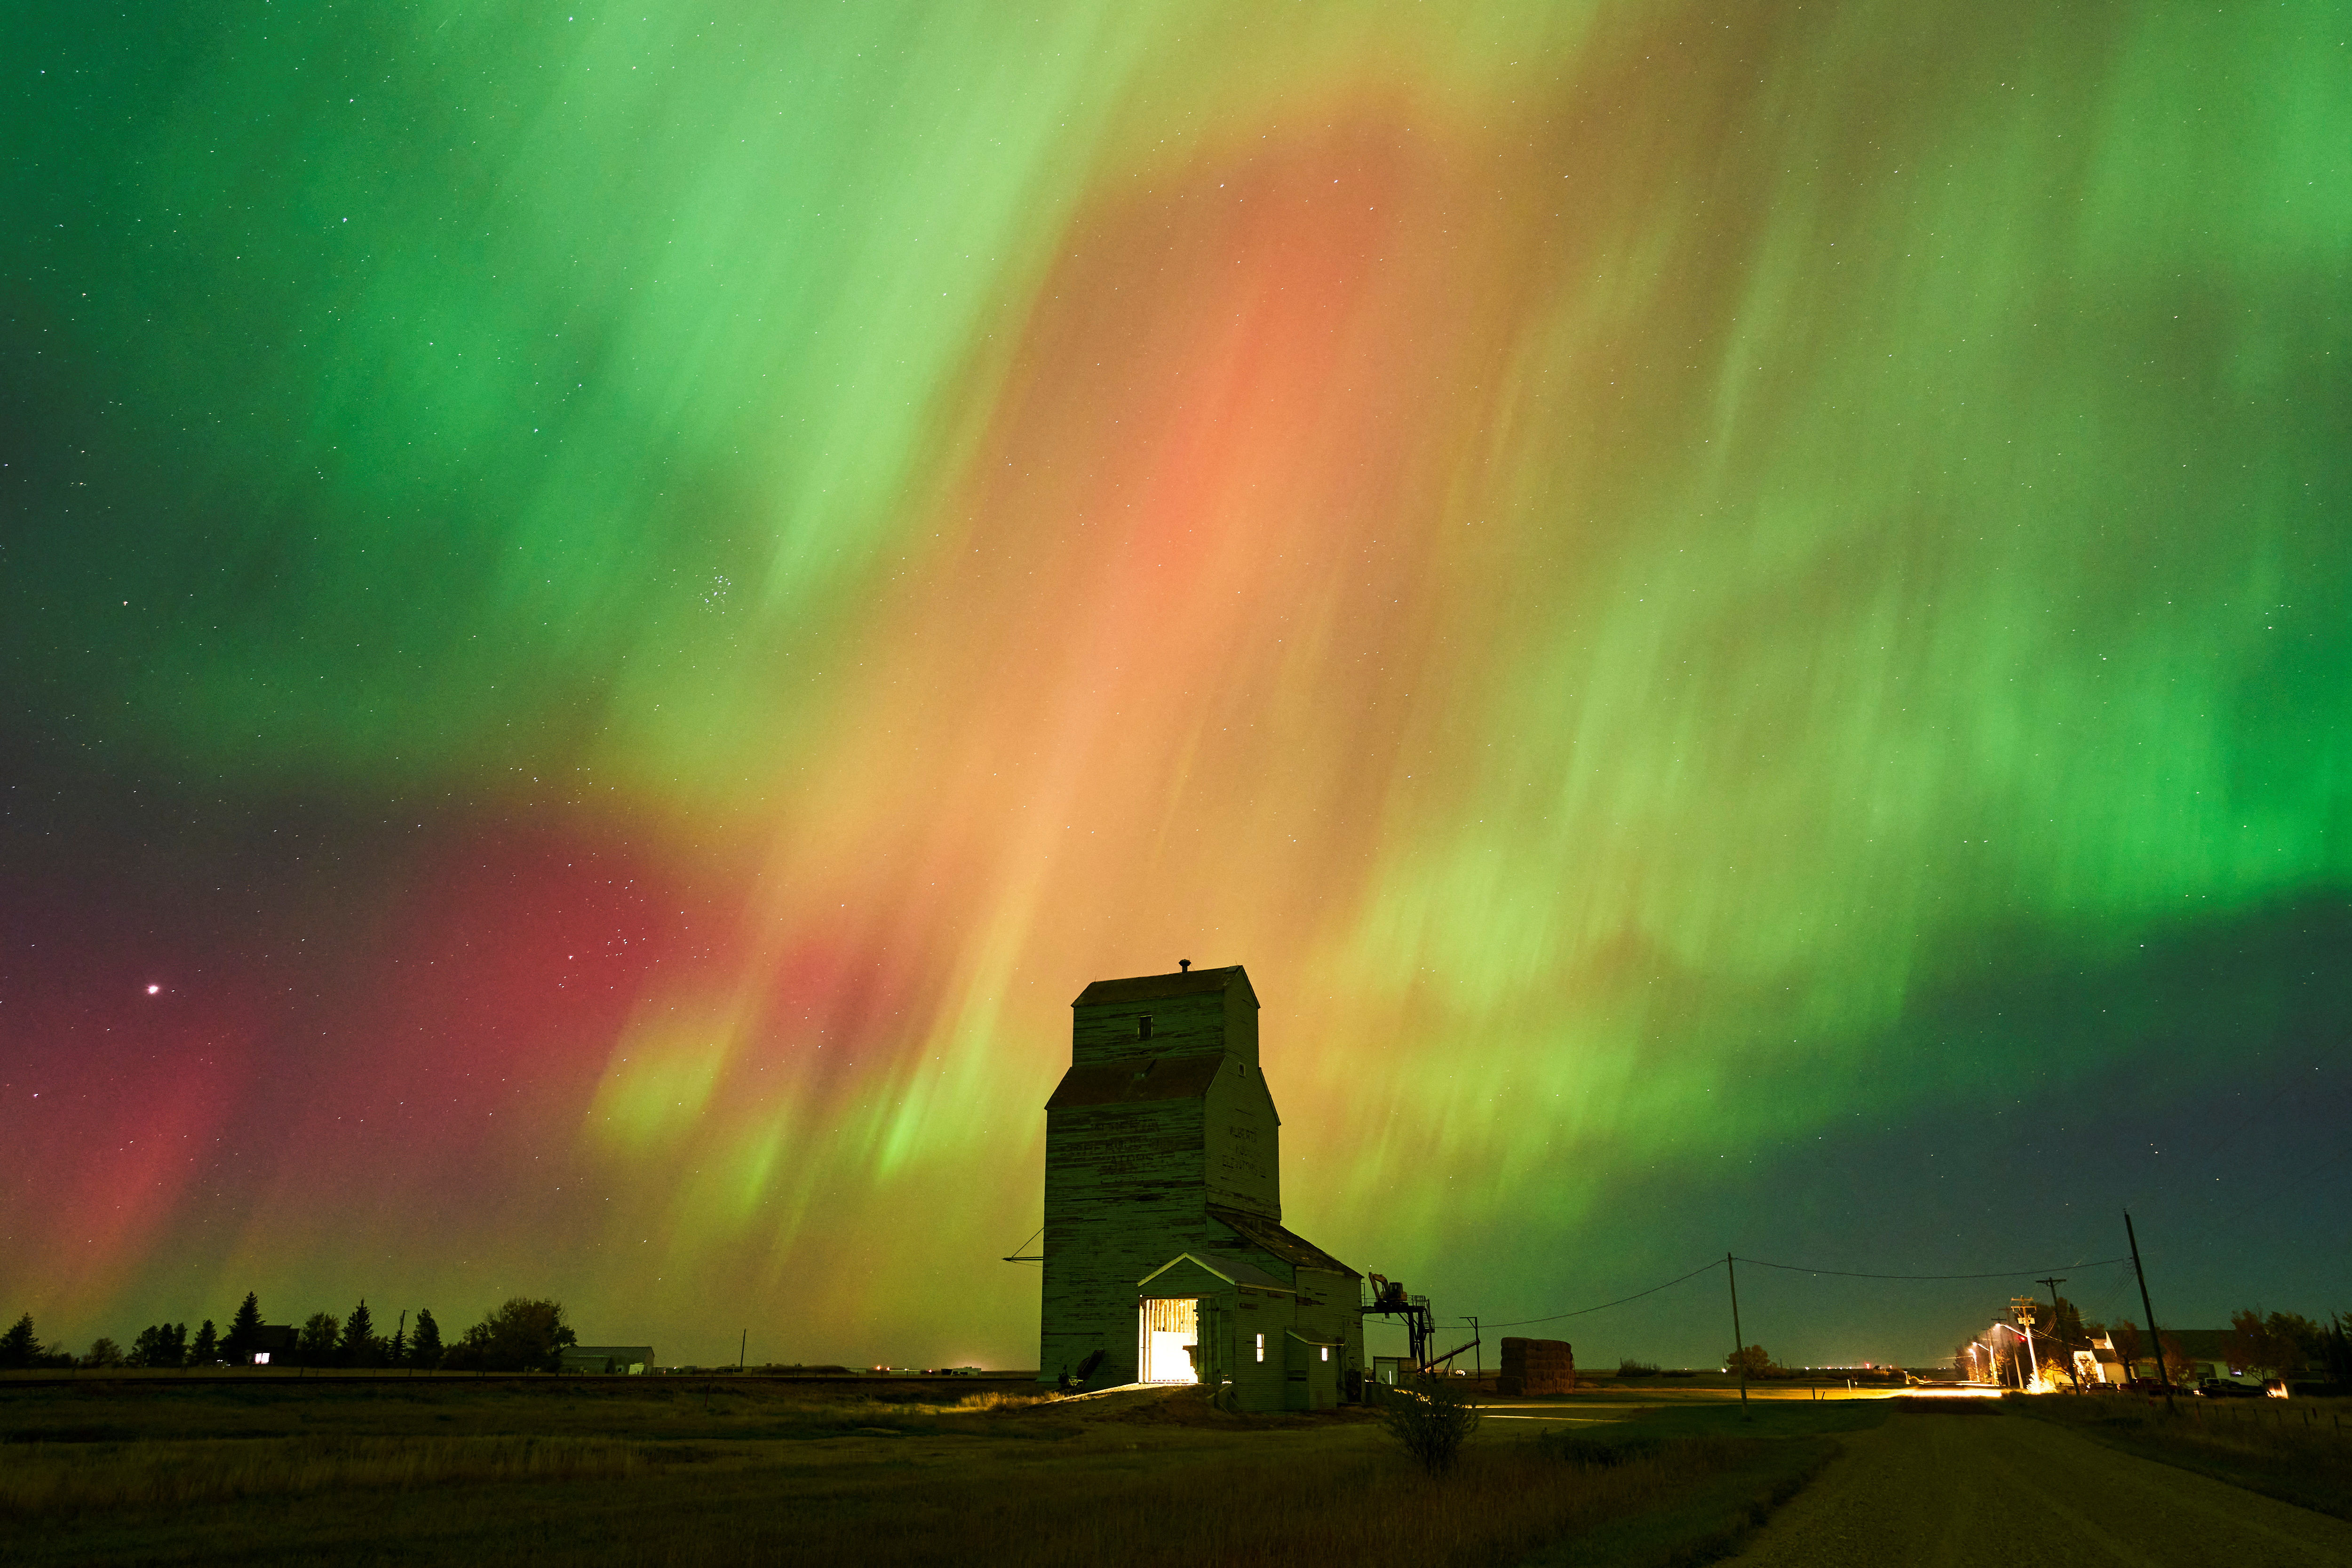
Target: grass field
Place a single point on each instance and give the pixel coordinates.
(2299, 1451)
(688, 1472)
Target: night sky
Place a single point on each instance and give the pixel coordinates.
(1739, 611)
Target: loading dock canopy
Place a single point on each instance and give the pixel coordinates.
(1189, 1274)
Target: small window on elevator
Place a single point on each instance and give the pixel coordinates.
(1143, 1026)
(1261, 1347)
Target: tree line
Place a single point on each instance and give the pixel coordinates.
(2281, 1344)
(524, 1334)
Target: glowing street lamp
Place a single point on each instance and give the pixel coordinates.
(2032, 1383)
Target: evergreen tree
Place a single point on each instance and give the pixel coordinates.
(206, 1350)
(359, 1347)
(396, 1352)
(425, 1350)
(19, 1348)
(237, 1347)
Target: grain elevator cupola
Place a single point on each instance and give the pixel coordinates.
(1165, 1257)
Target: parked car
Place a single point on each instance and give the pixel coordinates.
(2228, 1388)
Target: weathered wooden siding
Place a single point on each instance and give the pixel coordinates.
(1181, 1026)
(1326, 1311)
(1241, 1024)
(1258, 1385)
(1243, 1162)
(1123, 1195)
(1311, 1376)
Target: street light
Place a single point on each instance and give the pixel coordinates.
(2025, 1387)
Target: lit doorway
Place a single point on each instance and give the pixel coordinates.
(1170, 1326)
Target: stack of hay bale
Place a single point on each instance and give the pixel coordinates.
(1537, 1366)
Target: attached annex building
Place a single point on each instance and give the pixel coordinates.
(1165, 1255)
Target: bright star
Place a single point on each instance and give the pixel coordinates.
(153, 989)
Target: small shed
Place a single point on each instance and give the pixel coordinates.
(625, 1360)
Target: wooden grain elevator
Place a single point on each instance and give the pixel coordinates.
(1165, 1257)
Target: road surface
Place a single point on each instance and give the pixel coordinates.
(1954, 1489)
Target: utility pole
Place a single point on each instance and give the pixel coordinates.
(1739, 1346)
(2021, 1309)
(740, 1348)
(2063, 1343)
(2156, 1337)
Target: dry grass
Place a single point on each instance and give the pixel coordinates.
(686, 1476)
(994, 1401)
(2299, 1451)
(43, 1478)
(1499, 1505)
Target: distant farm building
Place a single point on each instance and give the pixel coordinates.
(622, 1359)
(1165, 1257)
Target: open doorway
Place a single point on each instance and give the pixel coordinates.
(1170, 1330)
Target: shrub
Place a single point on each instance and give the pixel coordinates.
(1595, 1454)
(316, 1345)
(523, 1335)
(1432, 1419)
(1637, 1368)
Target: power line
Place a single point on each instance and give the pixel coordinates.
(1581, 1312)
(1799, 1269)
(2181, 1167)
(2002, 1274)
(2325, 1162)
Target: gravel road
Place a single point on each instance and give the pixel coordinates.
(1972, 1491)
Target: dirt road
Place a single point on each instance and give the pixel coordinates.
(1970, 1490)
